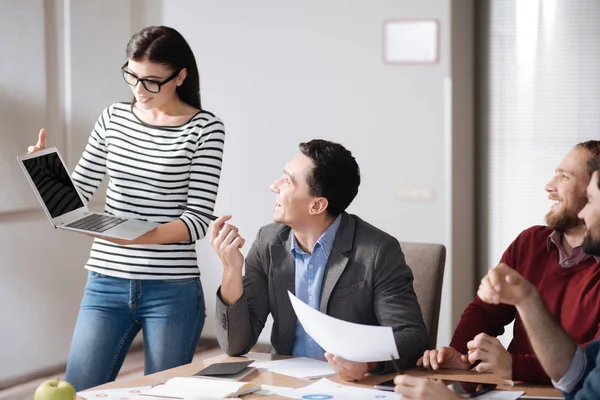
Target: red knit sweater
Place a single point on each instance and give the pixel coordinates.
(571, 294)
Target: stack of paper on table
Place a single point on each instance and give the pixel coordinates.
(194, 387)
(300, 367)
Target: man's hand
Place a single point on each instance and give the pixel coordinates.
(503, 284)
(227, 242)
(414, 388)
(41, 143)
(493, 356)
(347, 370)
(445, 357)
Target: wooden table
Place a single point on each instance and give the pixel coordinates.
(269, 378)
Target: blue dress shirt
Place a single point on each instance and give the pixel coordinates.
(310, 269)
(588, 385)
(574, 374)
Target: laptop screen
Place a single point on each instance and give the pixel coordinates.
(53, 184)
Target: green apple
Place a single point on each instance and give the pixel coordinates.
(55, 389)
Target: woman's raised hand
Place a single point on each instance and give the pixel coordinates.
(41, 143)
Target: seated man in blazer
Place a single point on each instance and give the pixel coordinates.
(333, 261)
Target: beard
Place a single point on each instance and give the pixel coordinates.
(590, 245)
(566, 218)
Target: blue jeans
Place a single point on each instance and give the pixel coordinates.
(170, 314)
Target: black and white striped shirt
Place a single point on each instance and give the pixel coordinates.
(152, 170)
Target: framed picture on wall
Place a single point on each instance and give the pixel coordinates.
(411, 41)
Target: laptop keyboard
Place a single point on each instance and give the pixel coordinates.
(96, 222)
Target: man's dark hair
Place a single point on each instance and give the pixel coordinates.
(591, 244)
(335, 176)
(593, 147)
(594, 166)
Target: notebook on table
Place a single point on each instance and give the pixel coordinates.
(192, 386)
(65, 207)
(233, 371)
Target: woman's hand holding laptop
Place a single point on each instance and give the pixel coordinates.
(66, 207)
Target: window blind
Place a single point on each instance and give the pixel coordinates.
(538, 95)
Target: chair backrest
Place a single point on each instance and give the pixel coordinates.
(427, 261)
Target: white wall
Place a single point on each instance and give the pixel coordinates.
(277, 73)
(22, 91)
(59, 67)
(41, 278)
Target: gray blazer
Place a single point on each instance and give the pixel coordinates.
(366, 281)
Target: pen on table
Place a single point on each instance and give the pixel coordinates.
(475, 364)
(202, 213)
(395, 365)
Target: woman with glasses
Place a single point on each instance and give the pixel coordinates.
(162, 151)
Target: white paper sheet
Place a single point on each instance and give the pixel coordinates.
(300, 367)
(354, 342)
(326, 389)
(269, 390)
(501, 395)
(198, 388)
(114, 394)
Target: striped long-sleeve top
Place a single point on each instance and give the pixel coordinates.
(152, 170)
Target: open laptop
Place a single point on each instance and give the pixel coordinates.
(65, 207)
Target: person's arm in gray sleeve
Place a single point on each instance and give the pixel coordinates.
(239, 324)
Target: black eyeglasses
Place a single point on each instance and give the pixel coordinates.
(151, 85)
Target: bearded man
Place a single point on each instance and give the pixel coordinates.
(553, 259)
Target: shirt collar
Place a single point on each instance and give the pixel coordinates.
(325, 241)
(555, 238)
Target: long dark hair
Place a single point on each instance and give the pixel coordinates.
(164, 45)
